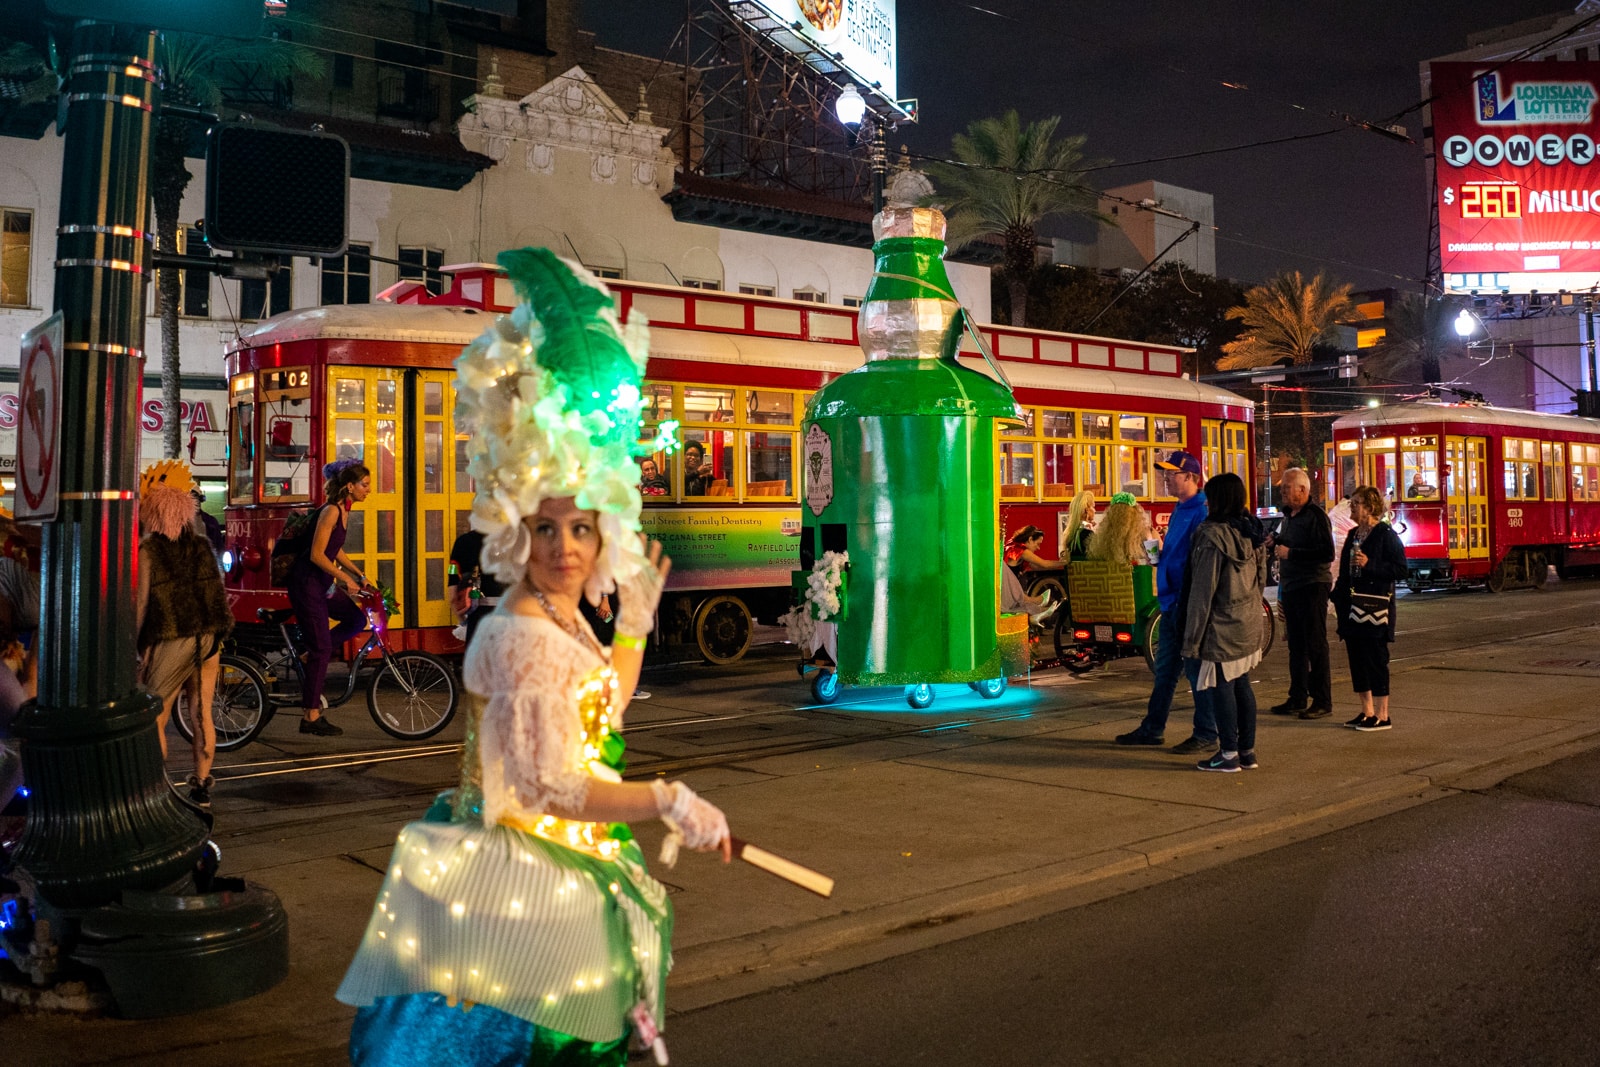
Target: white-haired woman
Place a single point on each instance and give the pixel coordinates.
(526, 929)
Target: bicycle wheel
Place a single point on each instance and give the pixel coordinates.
(240, 708)
(413, 695)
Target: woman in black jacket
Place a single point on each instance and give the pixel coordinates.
(1372, 561)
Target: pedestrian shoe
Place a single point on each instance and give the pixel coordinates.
(1193, 745)
(1316, 713)
(640, 694)
(320, 727)
(1288, 707)
(1358, 720)
(1219, 762)
(1138, 737)
(200, 791)
(1373, 725)
(1247, 761)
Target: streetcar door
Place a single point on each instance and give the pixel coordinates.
(364, 405)
(1467, 497)
(434, 483)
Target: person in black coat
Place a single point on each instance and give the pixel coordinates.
(1372, 561)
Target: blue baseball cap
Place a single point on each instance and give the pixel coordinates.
(1181, 461)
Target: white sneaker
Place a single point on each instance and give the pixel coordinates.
(640, 694)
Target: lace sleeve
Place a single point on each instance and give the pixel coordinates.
(531, 740)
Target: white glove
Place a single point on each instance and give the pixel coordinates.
(700, 824)
(638, 597)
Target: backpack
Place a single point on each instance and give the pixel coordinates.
(294, 540)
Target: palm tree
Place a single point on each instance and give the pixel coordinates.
(188, 64)
(1284, 320)
(1417, 332)
(1005, 179)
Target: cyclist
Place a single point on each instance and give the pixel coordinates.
(322, 583)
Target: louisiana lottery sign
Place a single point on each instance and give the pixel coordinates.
(859, 34)
(1518, 182)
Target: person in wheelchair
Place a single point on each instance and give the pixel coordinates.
(1122, 532)
(1022, 553)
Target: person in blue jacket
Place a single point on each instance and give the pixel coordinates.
(1185, 479)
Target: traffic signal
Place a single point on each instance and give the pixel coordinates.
(276, 191)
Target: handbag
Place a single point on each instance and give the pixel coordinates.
(1369, 609)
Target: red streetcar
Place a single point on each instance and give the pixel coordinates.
(375, 381)
(1482, 493)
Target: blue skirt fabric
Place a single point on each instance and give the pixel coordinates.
(426, 1029)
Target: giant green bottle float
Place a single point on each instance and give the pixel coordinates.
(901, 473)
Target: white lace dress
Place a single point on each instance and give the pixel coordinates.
(553, 921)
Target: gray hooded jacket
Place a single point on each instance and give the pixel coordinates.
(1226, 575)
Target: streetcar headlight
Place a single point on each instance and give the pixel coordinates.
(227, 560)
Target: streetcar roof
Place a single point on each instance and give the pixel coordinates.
(446, 324)
(1472, 414)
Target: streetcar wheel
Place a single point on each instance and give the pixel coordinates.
(239, 705)
(1269, 627)
(825, 687)
(920, 695)
(722, 629)
(1539, 569)
(413, 695)
(1496, 581)
(990, 688)
(1152, 638)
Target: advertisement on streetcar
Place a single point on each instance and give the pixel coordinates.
(717, 549)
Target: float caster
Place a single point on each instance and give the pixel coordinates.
(919, 696)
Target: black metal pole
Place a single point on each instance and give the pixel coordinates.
(101, 816)
(880, 166)
(1589, 402)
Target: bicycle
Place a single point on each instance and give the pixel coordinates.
(411, 694)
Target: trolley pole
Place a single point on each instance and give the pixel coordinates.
(1266, 443)
(1589, 399)
(101, 816)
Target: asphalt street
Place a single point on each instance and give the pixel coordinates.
(1466, 931)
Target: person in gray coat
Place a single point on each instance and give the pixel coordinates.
(1222, 617)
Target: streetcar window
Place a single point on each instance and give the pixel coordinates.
(1553, 459)
(1169, 431)
(769, 406)
(653, 482)
(1420, 472)
(1016, 470)
(1133, 470)
(433, 398)
(285, 428)
(433, 458)
(1096, 426)
(1133, 428)
(1210, 451)
(349, 439)
(1014, 428)
(382, 464)
(1057, 475)
(657, 402)
(1520, 459)
(386, 397)
(355, 532)
(349, 396)
(1056, 424)
(706, 462)
(1585, 472)
(464, 480)
(707, 405)
(385, 531)
(242, 442)
(1382, 473)
(769, 459)
(433, 532)
(1096, 465)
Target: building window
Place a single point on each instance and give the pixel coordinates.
(1581, 55)
(852, 301)
(701, 283)
(263, 298)
(421, 264)
(347, 279)
(757, 290)
(16, 256)
(605, 272)
(811, 295)
(194, 299)
(344, 70)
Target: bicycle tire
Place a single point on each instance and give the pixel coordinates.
(420, 697)
(240, 707)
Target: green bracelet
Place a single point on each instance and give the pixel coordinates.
(625, 641)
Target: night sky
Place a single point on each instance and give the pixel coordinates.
(1142, 79)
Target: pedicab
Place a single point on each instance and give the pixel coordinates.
(899, 580)
(1112, 612)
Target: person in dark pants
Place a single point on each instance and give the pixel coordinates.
(321, 584)
(1373, 560)
(1304, 547)
(1185, 481)
(466, 576)
(1222, 618)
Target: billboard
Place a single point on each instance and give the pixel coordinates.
(1518, 185)
(857, 36)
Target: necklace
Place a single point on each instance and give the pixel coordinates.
(570, 626)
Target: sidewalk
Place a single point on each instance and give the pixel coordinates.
(931, 836)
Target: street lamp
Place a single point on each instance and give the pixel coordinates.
(1466, 323)
(851, 109)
